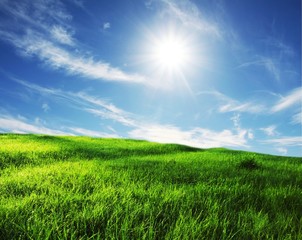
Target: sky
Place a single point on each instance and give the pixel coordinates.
(221, 73)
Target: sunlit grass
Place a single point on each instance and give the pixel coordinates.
(85, 188)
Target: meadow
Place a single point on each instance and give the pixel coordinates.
(90, 188)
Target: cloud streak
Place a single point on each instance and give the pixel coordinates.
(227, 104)
(11, 124)
(270, 130)
(285, 141)
(196, 137)
(267, 63)
(140, 128)
(30, 35)
(189, 15)
(293, 98)
(86, 132)
(297, 118)
(62, 35)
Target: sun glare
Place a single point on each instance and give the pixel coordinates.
(170, 57)
(171, 53)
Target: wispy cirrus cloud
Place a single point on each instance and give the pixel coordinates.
(277, 44)
(106, 26)
(80, 100)
(120, 117)
(22, 125)
(62, 35)
(56, 57)
(236, 106)
(196, 137)
(282, 150)
(297, 118)
(267, 63)
(285, 141)
(38, 15)
(270, 130)
(228, 104)
(27, 29)
(84, 102)
(86, 132)
(17, 125)
(189, 15)
(292, 98)
(45, 107)
(141, 128)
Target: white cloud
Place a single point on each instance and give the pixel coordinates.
(294, 97)
(86, 132)
(58, 58)
(297, 118)
(228, 104)
(38, 14)
(236, 106)
(189, 15)
(236, 120)
(284, 49)
(196, 137)
(282, 150)
(41, 33)
(250, 134)
(62, 35)
(117, 117)
(285, 141)
(96, 106)
(141, 129)
(106, 25)
(15, 125)
(267, 63)
(45, 107)
(270, 130)
(22, 125)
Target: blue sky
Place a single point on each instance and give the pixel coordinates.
(202, 73)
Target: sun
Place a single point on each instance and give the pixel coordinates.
(171, 52)
(170, 57)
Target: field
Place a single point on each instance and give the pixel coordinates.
(88, 188)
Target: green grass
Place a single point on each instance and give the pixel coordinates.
(87, 188)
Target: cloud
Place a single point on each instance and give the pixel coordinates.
(83, 101)
(56, 57)
(62, 35)
(236, 120)
(45, 107)
(39, 15)
(21, 125)
(189, 15)
(228, 104)
(140, 128)
(236, 106)
(267, 63)
(270, 130)
(285, 141)
(282, 150)
(196, 137)
(106, 25)
(40, 29)
(297, 118)
(17, 125)
(86, 132)
(294, 97)
(284, 49)
(250, 134)
(117, 117)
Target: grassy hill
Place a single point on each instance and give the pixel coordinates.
(87, 188)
